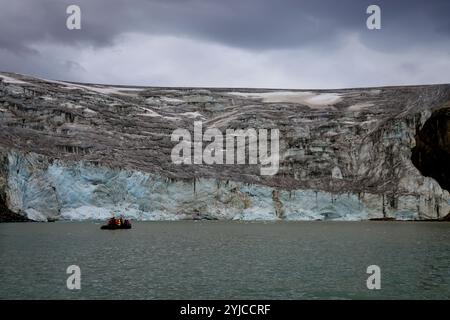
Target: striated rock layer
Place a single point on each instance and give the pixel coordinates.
(83, 151)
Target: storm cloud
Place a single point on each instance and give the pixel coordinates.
(232, 43)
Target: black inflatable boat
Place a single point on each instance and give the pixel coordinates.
(114, 227)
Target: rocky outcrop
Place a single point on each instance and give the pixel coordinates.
(431, 155)
(6, 215)
(78, 151)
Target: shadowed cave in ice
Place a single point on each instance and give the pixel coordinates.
(431, 155)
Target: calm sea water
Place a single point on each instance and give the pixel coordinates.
(226, 260)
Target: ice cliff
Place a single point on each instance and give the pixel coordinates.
(84, 151)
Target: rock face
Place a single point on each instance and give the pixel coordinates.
(78, 151)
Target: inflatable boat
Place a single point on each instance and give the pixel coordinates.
(116, 224)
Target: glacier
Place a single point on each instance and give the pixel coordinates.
(45, 189)
(82, 151)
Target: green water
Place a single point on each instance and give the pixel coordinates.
(226, 260)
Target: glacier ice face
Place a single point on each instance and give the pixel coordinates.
(77, 191)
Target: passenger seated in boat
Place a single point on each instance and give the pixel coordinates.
(112, 221)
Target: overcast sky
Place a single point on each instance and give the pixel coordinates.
(229, 43)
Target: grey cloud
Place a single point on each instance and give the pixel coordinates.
(255, 26)
(251, 24)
